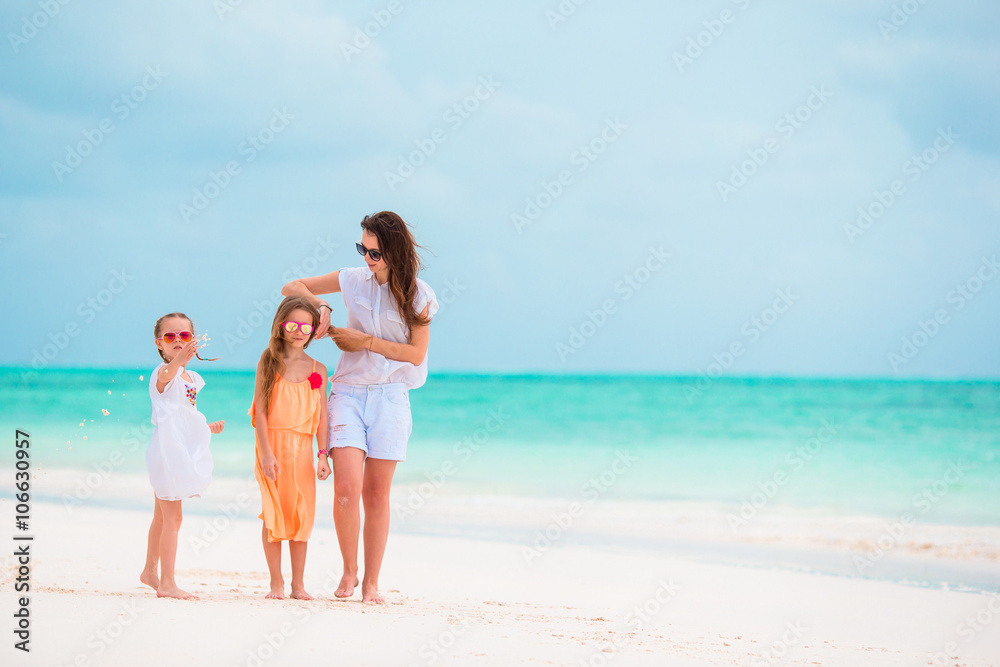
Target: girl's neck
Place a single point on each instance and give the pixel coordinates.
(293, 354)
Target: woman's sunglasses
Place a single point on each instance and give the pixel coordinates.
(376, 255)
(291, 326)
(171, 336)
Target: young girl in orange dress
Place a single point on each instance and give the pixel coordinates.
(288, 411)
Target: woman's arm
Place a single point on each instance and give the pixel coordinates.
(269, 463)
(309, 288)
(352, 340)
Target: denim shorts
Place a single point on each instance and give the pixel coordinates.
(375, 418)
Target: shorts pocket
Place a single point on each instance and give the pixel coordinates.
(399, 398)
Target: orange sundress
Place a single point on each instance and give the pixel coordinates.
(288, 505)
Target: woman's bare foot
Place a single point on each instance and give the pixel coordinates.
(150, 579)
(300, 594)
(370, 594)
(347, 585)
(175, 592)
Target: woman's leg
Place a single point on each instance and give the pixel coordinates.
(149, 574)
(348, 474)
(297, 551)
(272, 553)
(375, 493)
(172, 516)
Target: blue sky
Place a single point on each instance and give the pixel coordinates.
(650, 187)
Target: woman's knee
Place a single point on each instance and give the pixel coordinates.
(347, 491)
(375, 496)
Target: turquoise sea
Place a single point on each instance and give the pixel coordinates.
(868, 447)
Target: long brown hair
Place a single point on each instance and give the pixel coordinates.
(271, 360)
(399, 249)
(158, 329)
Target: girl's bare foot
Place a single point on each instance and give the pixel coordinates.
(300, 594)
(370, 594)
(150, 580)
(277, 591)
(347, 584)
(175, 592)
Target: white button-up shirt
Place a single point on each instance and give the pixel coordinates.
(371, 308)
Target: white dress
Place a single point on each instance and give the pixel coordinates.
(178, 458)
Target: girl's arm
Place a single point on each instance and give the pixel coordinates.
(352, 340)
(309, 288)
(323, 432)
(269, 463)
(168, 372)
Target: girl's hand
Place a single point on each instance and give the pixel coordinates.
(322, 468)
(324, 323)
(349, 340)
(270, 466)
(216, 427)
(187, 352)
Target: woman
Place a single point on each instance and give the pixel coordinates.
(384, 356)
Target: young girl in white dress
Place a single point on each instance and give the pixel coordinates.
(178, 458)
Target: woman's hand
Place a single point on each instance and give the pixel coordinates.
(324, 323)
(349, 340)
(216, 427)
(269, 464)
(322, 468)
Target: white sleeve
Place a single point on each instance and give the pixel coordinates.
(425, 295)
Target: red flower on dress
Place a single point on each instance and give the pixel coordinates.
(315, 380)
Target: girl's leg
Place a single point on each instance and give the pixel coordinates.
(272, 553)
(149, 575)
(375, 494)
(171, 513)
(348, 473)
(297, 551)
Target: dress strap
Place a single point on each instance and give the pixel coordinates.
(314, 366)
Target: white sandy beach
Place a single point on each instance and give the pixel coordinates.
(455, 600)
